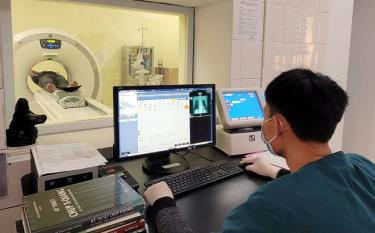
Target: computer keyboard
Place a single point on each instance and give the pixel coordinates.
(194, 178)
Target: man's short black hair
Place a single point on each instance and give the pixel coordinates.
(312, 103)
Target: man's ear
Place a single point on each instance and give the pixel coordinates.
(282, 123)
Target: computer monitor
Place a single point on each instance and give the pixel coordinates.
(156, 121)
(240, 107)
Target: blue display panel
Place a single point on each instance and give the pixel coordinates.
(243, 106)
(50, 43)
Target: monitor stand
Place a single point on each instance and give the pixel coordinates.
(164, 163)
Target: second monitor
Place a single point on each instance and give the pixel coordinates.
(241, 115)
(240, 108)
(156, 121)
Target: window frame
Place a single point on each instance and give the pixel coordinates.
(6, 42)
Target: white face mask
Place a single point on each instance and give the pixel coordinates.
(268, 143)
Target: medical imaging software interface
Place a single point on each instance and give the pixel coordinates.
(156, 120)
(243, 106)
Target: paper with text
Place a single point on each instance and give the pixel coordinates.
(66, 157)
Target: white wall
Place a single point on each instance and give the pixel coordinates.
(339, 37)
(337, 53)
(213, 43)
(359, 130)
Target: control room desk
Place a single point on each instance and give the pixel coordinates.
(205, 208)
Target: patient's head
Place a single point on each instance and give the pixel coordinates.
(311, 103)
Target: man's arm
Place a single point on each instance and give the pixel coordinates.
(167, 217)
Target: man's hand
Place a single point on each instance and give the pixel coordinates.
(157, 191)
(260, 166)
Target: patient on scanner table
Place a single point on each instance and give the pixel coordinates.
(50, 81)
(66, 94)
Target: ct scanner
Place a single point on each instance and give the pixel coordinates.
(38, 45)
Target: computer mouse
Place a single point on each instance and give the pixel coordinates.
(244, 165)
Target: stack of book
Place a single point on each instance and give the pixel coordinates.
(105, 204)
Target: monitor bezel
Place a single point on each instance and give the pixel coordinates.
(116, 91)
(224, 115)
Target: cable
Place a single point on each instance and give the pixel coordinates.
(193, 152)
(187, 152)
(203, 157)
(184, 158)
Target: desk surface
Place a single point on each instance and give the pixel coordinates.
(204, 209)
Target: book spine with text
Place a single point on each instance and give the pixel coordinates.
(128, 228)
(91, 221)
(107, 227)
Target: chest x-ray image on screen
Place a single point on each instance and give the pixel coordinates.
(199, 101)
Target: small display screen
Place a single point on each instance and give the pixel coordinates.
(50, 43)
(243, 106)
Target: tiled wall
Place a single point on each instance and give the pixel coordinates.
(246, 62)
(295, 35)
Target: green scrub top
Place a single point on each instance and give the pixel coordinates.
(335, 194)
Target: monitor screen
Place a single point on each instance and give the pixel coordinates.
(242, 106)
(152, 119)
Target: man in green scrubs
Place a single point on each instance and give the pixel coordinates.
(325, 192)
